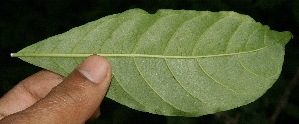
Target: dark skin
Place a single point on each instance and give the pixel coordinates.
(46, 97)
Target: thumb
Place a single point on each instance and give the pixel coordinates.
(75, 99)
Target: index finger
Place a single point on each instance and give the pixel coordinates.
(28, 91)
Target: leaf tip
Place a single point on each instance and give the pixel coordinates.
(287, 38)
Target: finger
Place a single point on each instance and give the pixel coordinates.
(75, 99)
(28, 92)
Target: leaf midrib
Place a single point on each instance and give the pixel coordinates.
(130, 55)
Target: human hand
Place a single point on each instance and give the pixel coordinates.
(47, 97)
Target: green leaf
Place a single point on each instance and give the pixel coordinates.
(173, 62)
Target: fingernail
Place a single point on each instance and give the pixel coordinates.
(94, 68)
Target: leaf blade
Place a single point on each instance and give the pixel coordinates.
(171, 62)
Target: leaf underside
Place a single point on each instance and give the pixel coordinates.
(173, 62)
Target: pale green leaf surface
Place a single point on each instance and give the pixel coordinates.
(173, 62)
